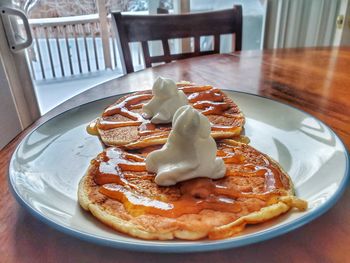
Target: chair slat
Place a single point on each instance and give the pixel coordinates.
(197, 45)
(217, 43)
(124, 42)
(167, 55)
(146, 55)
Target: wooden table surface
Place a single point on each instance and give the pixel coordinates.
(314, 80)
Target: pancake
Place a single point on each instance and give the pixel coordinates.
(122, 123)
(119, 192)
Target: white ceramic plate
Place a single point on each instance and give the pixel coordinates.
(48, 164)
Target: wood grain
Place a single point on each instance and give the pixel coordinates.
(314, 80)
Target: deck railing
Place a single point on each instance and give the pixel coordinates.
(70, 46)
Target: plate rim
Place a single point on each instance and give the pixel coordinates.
(148, 245)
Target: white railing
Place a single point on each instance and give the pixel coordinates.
(68, 46)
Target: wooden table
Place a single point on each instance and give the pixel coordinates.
(315, 80)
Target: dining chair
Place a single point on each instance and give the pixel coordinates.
(163, 27)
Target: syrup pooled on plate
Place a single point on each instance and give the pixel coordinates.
(251, 181)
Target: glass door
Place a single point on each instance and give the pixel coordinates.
(18, 105)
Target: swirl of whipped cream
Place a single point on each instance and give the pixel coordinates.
(189, 152)
(166, 100)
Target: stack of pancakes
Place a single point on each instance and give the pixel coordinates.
(118, 190)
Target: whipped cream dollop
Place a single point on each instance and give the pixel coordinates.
(189, 152)
(166, 100)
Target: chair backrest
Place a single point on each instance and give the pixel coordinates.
(163, 11)
(144, 28)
